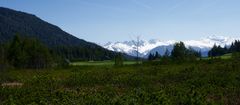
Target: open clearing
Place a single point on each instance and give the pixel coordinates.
(97, 63)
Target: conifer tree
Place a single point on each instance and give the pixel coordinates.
(157, 55)
(2, 57)
(179, 51)
(150, 57)
(15, 52)
(28, 53)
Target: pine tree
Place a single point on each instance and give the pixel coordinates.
(179, 51)
(237, 46)
(213, 51)
(150, 57)
(218, 51)
(38, 56)
(28, 53)
(156, 56)
(16, 55)
(2, 57)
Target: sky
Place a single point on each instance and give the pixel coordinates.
(102, 21)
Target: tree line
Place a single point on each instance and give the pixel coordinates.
(179, 53)
(25, 52)
(78, 53)
(218, 50)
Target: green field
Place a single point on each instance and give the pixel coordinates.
(202, 82)
(98, 63)
(225, 56)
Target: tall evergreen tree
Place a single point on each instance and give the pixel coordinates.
(2, 57)
(150, 57)
(235, 47)
(157, 55)
(217, 51)
(38, 56)
(16, 55)
(179, 51)
(28, 53)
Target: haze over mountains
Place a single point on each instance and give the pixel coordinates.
(151, 46)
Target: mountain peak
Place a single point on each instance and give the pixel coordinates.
(146, 47)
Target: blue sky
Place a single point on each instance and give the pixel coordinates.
(117, 20)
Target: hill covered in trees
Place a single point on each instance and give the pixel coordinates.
(62, 43)
(12, 22)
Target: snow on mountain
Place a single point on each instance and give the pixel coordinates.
(151, 46)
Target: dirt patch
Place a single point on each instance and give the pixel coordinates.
(12, 84)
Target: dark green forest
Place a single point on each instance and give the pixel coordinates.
(24, 52)
(218, 50)
(60, 42)
(179, 53)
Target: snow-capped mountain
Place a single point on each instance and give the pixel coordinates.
(151, 46)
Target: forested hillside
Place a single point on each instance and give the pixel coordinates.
(12, 22)
(27, 25)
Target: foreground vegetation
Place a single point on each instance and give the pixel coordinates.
(202, 82)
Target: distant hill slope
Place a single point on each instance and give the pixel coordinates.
(28, 25)
(12, 22)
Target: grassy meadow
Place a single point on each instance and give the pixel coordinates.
(211, 82)
(225, 56)
(100, 63)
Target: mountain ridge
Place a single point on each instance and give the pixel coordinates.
(24, 24)
(153, 45)
(30, 25)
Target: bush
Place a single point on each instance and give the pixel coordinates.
(236, 56)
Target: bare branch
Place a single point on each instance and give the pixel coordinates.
(137, 45)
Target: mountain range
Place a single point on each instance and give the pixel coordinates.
(14, 22)
(155, 45)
